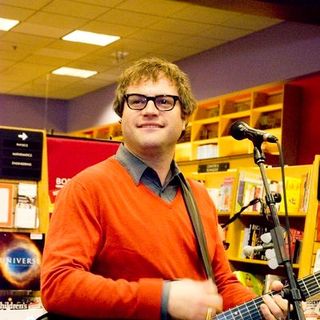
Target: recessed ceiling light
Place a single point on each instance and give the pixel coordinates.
(7, 24)
(73, 72)
(98, 39)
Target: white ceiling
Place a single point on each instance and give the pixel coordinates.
(171, 29)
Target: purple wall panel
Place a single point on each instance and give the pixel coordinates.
(18, 111)
(284, 51)
(92, 109)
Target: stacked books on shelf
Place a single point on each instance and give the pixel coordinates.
(251, 236)
(250, 187)
(206, 151)
(222, 196)
(297, 192)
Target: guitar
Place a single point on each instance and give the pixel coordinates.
(309, 286)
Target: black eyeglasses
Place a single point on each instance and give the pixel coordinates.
(137, 101)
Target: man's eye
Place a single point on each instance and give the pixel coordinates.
(137, 100)
(163, 100)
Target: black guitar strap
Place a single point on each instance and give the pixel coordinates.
(194, 215)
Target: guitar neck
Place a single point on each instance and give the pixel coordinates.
(309, 286)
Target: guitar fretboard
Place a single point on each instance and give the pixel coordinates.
(309, 286)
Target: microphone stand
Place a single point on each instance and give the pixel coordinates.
(294, 294)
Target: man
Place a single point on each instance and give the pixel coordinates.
(120, 242)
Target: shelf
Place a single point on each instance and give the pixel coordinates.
(236, 115)
(273, 107)
(236, 103)
(205, 141)
(206, 121)
(302, 184)
(207, 109)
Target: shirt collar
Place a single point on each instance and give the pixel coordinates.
(136, 167)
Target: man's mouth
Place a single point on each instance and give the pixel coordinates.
(150, 125)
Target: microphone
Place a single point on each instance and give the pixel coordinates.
(250, 250)
(240, 130)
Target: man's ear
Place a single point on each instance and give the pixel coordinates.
(184, 124)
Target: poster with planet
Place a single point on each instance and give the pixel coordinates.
(20, 260)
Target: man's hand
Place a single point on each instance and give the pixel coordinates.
(193, 300)
(274, 307)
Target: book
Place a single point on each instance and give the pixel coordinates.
(296, 237)
(226, 194)
(312, 309)
(207, 151)
(19, 300)
(251, 281)
(215, 195)
(293, 193)
(305, 192)
(26, 208)
(253, 238)
(250, 187)
(244, 236)
(20, 261)
(222, 196)
(316, 266)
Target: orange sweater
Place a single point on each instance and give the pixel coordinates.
(112, 243)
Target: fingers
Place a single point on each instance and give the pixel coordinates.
(274, 307)
(194, 300)
(276, 285)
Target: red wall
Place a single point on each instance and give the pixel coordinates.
(309, 136)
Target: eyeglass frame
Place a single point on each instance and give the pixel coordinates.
(152, 98)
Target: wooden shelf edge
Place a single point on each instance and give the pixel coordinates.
(215, 160)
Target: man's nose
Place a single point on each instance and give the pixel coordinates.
(151, 107)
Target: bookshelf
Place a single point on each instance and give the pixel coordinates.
(302, 185)
(110, 131)
(24, 215)
(24, 167)
(273, 107)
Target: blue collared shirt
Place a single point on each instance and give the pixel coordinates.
(141, 173)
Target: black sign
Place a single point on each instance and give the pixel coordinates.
(20, 154)
(223, 166)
